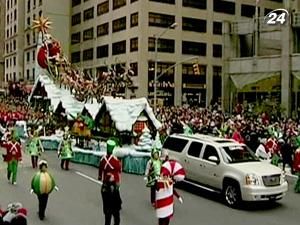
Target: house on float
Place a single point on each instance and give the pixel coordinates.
(125, 118)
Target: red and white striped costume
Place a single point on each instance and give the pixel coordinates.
(164, 203)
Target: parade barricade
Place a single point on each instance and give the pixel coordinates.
(50, 143)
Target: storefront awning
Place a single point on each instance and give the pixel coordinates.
(244, 79)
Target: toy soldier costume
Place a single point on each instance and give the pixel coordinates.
(110, 175)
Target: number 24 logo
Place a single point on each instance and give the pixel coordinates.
(277, 16)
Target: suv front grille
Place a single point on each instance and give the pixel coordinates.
(270, 181)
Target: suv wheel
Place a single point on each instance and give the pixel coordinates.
(232, 195)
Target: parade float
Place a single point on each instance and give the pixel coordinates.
(89, 106)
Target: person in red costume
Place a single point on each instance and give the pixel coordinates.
(110, 175)
(12, 157)
(237, 135)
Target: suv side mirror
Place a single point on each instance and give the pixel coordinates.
(214, 159)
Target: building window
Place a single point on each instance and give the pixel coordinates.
(28, 74)
(88, 14)
(76, 19)
(118, 3)
(7, 19)
(6, 63)
(103, 8)
(76, 2)
(161, 20)
(75, 57)
(40, 13)
(217, 28)
(34, 4)
(28, 6)
(15, 14)
(134, 19)
(27, 56)
(28, 39)
(15, 28)
(164, 1)
(14, 45)
(134, 68)
(88, 34)
(247, 10)
(75, 38)
(28, 21)
(88, 54)
(119, 48)
(7, 4)
(33, 74)
(198, 4)
(33, 55)
(191, 24)
(102, 51)
(102, 29)
(163, 45)
(119, 24)
(217, 71)
(15, 77)
(14, 61)
(134, 44)
(193, 48)
(222, 6)
(40, 2)
(217, 51)
(33, 37)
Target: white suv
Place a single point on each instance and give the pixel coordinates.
(227, 167)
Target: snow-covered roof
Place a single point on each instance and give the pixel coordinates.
(125, 112)
(93, 108)
(68, 101)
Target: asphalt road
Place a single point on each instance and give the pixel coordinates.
(78, 202)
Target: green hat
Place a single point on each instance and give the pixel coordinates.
(110, 145)
(154, 150)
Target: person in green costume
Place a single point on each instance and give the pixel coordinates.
(153, 173)
(34, 148)
(296, 167)
(65, 152)
(35, 187)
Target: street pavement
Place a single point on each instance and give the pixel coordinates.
(78, 202)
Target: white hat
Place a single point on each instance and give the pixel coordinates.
(43, 162)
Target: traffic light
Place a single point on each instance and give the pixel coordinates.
(196, 69)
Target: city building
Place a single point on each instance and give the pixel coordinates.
(271, 70)
(122, 33)
(2, 32)
(21, 40)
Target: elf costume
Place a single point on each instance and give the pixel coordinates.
(153, 173)
(110, 174)
(35, 148)
(296, 168)
(65, 152)
(42, 184)
(12, 157)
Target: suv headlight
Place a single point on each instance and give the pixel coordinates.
(282, 177)
(251, 179)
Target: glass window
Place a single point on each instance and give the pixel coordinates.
(75, 38)
(102, 8)
(40, 2)
(163, 45)
(192, 24)
(119, 48)
(102, 51)
(131, 1)
(33, 55)
(102, 29)
(28, 74)
(76, 19)
(161, 20)
(119, 24)
(134, 19)
(199, 4)
(236, 154)
(247, 10)
(195, 149)
(28, 6)
(88, 54)
(75, 57)
(27, 56)
(118, 3)
(217, 28)
(217, 51)
(193, 48)
(175, 144)
(222, 6)
(164, 1)
(88, 14)
(134, 44)
(88, 34)
(33, 73)
(76, 2)
(210, 151)
(134, 68)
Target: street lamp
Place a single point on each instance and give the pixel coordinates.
(158, 36)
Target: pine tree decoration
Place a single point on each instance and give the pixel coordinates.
(157, 142)
(145, 141)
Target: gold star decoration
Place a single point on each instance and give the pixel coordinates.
(42, 24)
